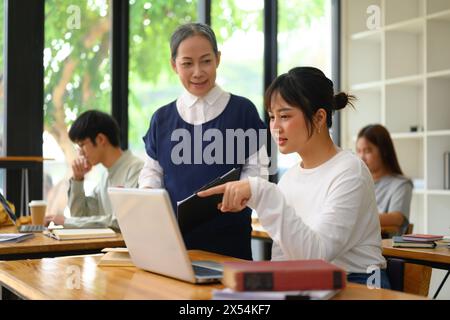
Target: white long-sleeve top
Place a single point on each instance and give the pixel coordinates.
(195, 110)
(328, 212)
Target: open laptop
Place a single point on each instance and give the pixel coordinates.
(13, 218)
(153, 238)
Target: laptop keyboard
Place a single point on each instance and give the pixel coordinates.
(31, 228)
(201, 271)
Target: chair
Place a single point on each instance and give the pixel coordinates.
(410, 228)
(408, 277)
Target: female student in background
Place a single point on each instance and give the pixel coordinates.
(393, 191)
(324, 207)
(203, 106)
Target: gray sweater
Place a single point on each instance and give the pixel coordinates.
(393, 193)
(96, 210)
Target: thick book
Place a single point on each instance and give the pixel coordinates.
(229, 294)
(400, 242)
(422, 237)
(194, 211)
(283, 275)
(76, 234)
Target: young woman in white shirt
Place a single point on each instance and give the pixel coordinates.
(324, 207)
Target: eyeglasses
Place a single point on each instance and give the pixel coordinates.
(80, 145)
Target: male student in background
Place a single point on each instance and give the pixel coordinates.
(97, 136)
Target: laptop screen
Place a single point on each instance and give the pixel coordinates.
(8, 209)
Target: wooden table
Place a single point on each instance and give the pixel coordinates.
(438, 257)
(80, 278)
(42, 246)
(259, 232)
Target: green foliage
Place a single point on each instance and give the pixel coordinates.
(86, 47)
(151, 25)
(299, 13)
(152, 81)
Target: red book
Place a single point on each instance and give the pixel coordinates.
(421, 237)
(283, 275)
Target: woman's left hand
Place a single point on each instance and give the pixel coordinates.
(235, 195)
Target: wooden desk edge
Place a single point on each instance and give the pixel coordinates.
(352, 292)
(20, 288)
(25, 158)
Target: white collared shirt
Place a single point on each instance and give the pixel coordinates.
(198, 110)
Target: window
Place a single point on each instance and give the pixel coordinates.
(299, 24)
(239, 29)
(152, 81)
(77, 77)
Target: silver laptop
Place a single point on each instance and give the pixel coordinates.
(150, 230)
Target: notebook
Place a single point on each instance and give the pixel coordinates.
(14, 237)
(76, 234)
(399, 242)
(194, 211)
(152, 236)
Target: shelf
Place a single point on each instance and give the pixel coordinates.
(438, 133)
(414, 26)
(438, 214)
(360, 52)
(404, 106)
(414, 80)
(438, 45)
(435, 192)
(419, 192)
(401, 74)
(404, 49)
(438, 104)
(445, 74)
(401, 10)
(434, 6)
(437, 146)
(408, 135)
(445, 15)
(368, 86)
(411, 157)
(417, 210)
(371, 35)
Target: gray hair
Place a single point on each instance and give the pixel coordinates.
(189, 30)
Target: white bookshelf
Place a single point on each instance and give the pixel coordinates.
(400, 73)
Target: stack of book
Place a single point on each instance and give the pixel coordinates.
(416, 241)
(446, 241)
(295, 279)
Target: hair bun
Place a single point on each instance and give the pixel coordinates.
(341, 100)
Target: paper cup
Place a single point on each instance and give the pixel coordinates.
(38, 208)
